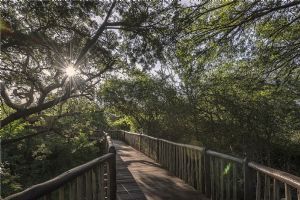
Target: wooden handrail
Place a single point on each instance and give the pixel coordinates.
(224, 156)
(216, 174)
(110, 146)
(112, 169)
(101, 171)
(183, 145)
(284, 177)
(47, 187)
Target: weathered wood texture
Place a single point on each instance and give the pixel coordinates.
(188, 171)
(275, 184)
(140, 177)
(217, 175)
(95, 180)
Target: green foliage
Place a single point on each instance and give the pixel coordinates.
(228, 80)
(146, 104)
(9, 183)
(66, 143)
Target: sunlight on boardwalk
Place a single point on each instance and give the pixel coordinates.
(139, 177)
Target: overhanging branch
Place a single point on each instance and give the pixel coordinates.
(92, 42)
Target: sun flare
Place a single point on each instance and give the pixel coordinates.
(70, 71)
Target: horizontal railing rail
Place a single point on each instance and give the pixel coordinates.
(217, 175)
(269, 183)
(93, 180)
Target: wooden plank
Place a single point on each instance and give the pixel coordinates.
(207, 174)
(36, 191)
(224, 156)
(246, 181)
(94, 186)
(168, 152)
(258, 186)
(96, 170)
(281, 176)
(167, 156)
(148, 147)
(106, 181)
(173, 159)
(112, 177)
(275, 190)
(234, 181)
(47, 197)
(188, 166)
(79, 186)
(221, 179)
(269, 188)
(163, 154)
(144, 175)
(266, 188)
(61, 193)
(157, 150)
(217, 179)
(197, 169)
(288, 193)
(212, 179)
(176, 161)
(88, 185)
(201, 171)
(193, 174)
(101, 183)
(181, 162)
(72, 191)
(184, 164)
(228, 183)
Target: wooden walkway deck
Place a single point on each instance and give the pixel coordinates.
(141, 178)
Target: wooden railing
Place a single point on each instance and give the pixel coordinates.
(218, 176)
(95, 180)
(271, 183)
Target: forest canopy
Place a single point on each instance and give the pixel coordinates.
(220, 74)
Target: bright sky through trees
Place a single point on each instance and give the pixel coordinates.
(222, 74)
(71, 70)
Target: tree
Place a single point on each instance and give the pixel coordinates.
(233, 81)
(144, 103)
(238, 63)
(37, 151)
(264, 33)
(42, 39)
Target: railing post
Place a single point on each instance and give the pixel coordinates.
(140, 137)
(124, 136)
(149, 151)
(157, 149)
(112, 175)
(247, 180)
(207, 173)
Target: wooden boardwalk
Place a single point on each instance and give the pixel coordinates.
(140, 178)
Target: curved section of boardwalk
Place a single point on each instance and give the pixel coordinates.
(140, 178)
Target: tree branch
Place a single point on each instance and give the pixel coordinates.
(10, 141)
(26, 112)
(92, 42)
